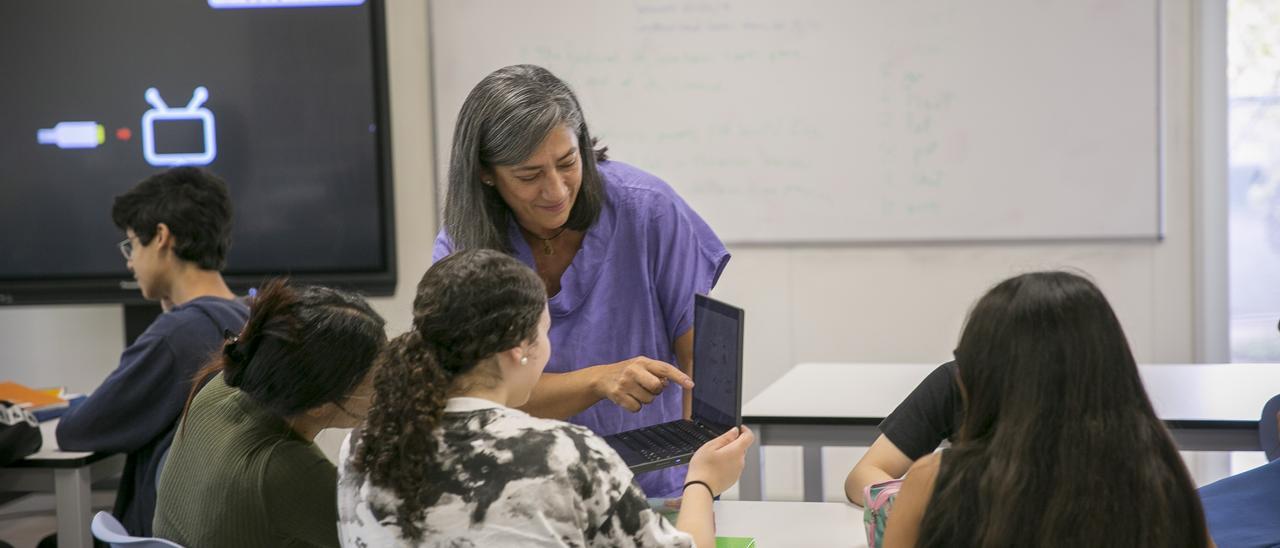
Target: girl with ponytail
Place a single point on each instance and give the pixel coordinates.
(244, 469)
(445, 459)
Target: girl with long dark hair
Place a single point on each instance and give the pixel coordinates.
(445, 459)
(1058, 444)
(244, 469)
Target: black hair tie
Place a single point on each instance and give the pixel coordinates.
(232, 347)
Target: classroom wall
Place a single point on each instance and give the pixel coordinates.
(895, 303)
(883, 303)
(892, 303)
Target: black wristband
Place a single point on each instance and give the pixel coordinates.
(698, 482)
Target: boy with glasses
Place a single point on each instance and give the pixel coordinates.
(178, 229)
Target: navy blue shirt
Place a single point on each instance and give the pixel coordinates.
(1241, 510)
(135, 409)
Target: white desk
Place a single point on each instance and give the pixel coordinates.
(799, 524)
(1207, 407)
(68, 475)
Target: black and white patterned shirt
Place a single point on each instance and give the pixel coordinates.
(504, 478)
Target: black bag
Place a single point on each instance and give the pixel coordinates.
(19, 433)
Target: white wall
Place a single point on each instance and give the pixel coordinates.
(869, 303)
(906, 303)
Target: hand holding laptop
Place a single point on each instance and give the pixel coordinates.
(719, 462)
(634, 383)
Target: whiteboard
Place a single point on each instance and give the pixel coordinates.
(850, 121)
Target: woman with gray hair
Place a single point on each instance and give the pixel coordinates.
(621, 254)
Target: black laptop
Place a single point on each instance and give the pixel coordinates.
(717, 394)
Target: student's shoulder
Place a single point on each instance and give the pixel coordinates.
(193, 326)
(216, 396)
(942, 379)
(289, 464)
(592, 457)
(927, 466)
(922, 477)
(516, 421)
(587, 441)
(559, 427)
(195, 314)
(287, 452)
(216, 308)
(572, 444)
(298, 485)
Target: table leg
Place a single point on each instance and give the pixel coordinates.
(813, 473)
(751, 484)
(74, 507)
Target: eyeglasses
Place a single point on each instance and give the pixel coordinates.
(126, 248)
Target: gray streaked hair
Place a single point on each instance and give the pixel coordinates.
(502, 121)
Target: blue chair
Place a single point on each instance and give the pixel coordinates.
(1241, 510)
(107, 529)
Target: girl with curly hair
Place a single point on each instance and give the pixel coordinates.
(445, 459)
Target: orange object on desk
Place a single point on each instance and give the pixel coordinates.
(27, 397)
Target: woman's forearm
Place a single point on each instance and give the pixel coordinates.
(563, 395)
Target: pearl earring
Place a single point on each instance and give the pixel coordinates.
(524, 360)
(490, 183)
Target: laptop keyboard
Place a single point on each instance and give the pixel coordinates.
(667, 439)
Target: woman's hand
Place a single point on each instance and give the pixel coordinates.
(719, 462)
(634, 383)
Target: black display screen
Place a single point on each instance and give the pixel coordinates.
(717, 363)
(287, 104)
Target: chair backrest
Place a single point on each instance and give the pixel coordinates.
(1269, 429)
(107, 529)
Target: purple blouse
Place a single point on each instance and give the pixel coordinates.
(627, 293)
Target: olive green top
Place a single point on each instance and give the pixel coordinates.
(239, 476)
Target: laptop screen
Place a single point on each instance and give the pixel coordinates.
(717, 363)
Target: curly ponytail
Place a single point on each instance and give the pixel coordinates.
(410, 390)
(469, 306)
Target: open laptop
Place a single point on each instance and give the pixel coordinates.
(717, 394)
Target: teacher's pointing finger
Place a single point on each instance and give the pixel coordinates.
(667, 371)
(638, 381)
